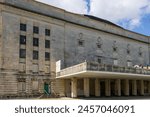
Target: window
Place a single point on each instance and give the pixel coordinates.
(47, 32)
(21, 86)
(36, 29)
(22, 53)
(47, 56)
(35, 42)
(99, 60)
(35, 55)
(81, 42)
(22, 39)
(115, 62)
(23, 27)
(47, 43)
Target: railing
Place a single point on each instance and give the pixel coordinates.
(73, 69)
(92, 66)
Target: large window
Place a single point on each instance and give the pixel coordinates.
(23, 27)
(47, 43)
(22, 53)
(36, 29)
(47, 56)
(35, 42)
(35, 55)
(47, 32)
(22, 39)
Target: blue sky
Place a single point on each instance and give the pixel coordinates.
(133, 15)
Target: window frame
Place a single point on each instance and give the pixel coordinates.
(35, 42)
(35, 29)
(47, 58)
(47, 32)
(23, 39)
(23, 27)
(21, 55)
(35, 55)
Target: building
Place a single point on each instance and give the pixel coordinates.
(44, 49)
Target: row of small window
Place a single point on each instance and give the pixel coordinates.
(23, 27)
(35, 55)
(35, 41)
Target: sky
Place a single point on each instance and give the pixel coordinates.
(132, 15)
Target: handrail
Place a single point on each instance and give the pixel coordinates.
(46, 92)
(91, 66)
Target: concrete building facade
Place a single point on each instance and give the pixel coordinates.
(44, 49)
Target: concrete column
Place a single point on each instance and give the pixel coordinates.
(86, 87)
(74, 88)
(149, 87)
(107, 88)
(126, 87)
(141, 87)
(97, 87)
(118, 87)
(134, 87)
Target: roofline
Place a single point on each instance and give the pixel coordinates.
(59, 18)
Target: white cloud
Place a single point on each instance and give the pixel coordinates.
(121, 10)
(128, 13)
(76, 6)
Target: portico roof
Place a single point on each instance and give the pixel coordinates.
(93, 70)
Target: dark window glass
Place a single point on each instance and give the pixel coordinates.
(35, 42)
(22, 39)
(47, 56)
(36, 29)
(22, 53)
(23, 27)
(47, 32)
(47, 43)
(99, 60)
(35, 55)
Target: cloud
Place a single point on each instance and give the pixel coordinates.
(75, 6)
(126, 12)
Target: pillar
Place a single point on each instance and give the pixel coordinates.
(141, 87)
(126, 87)
(74, 88)
(134, 87)
(118, 87)
(97, 87)
(107, 88)
(86, 87)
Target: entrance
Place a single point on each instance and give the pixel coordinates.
(92, 87)
(46, 88)
(102, 87)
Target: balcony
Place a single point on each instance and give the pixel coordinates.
(92, 68)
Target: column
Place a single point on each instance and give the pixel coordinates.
(86, 87)
(107, 88)
(126, 87)
(134, 87)
(74, 88)
(141, 87)
(97, 87)
(118, 87)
